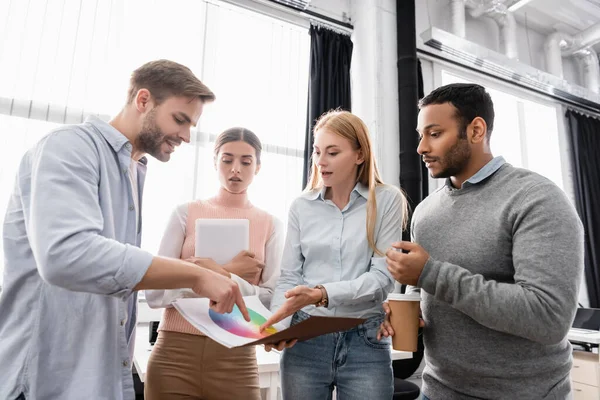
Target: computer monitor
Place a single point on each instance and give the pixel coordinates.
(587, 318)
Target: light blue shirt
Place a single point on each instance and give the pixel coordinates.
(488, 170)
(71, 262)
(328, 246)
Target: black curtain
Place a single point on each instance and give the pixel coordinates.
(585, 148)
(424, 170)
(329, 82)
(415, 197)
(413, 175)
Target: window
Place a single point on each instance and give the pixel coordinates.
(63, 60)
(525, 131)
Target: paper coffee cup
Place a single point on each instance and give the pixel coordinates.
(404, 317)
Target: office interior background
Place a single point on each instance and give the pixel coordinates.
(61, 60)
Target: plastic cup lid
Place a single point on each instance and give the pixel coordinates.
(404, 297)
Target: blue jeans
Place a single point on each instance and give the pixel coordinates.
(354, 361)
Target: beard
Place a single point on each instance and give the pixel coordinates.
(455, 161)
(151, 138)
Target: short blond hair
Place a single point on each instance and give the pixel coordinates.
(164, 79)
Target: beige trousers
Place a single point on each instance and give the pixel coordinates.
(184, 366)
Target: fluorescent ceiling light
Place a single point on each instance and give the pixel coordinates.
(518, 4)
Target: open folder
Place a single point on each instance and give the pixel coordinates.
(232, 330)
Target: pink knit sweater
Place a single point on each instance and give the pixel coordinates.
(224, 206)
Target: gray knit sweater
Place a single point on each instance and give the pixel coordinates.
(500, 289)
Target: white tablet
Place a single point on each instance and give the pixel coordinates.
(221, 239)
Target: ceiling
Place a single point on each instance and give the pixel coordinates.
(547, 16)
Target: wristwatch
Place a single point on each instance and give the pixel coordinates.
(324, 302)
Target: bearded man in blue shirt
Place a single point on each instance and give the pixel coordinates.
(71, 239)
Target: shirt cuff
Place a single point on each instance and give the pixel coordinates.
(335, 293)
(135, 265)
(172, 295)
(246, 288)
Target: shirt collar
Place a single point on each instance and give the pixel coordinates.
(488, 170)
(113, 136)
(319, 193)
(363, 190)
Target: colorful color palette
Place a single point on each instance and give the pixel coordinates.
(235, 323)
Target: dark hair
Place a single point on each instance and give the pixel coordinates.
(239, 134)
(469, 99)
(164, 78)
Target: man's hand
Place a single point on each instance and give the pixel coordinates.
(245, 266)
(281, 345)
(297, 298)
(210, 264)
(406, 268)
(222, 292)
(386, 330)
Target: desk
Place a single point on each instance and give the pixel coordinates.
(585, 373)
(577, 336)
(268, 362)
(268, 371)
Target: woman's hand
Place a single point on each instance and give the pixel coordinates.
(245, 266)
(385, 329)
(297, 298)
(284, 344)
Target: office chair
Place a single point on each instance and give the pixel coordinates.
(405, 390)
(153, 331)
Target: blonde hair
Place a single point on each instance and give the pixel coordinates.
(352, 128)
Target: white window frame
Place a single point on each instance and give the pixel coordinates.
(203, 135)
(436, 68)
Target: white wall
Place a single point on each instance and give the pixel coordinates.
(375, 80)
(337, 9)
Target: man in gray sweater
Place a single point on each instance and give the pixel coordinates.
(498, 256)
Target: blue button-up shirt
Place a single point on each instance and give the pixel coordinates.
(71, 261)
(328, 246)
(485, 172)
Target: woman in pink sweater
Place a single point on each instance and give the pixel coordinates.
(185, 363)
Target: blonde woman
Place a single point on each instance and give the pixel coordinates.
(184, 363)
(334, 265)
